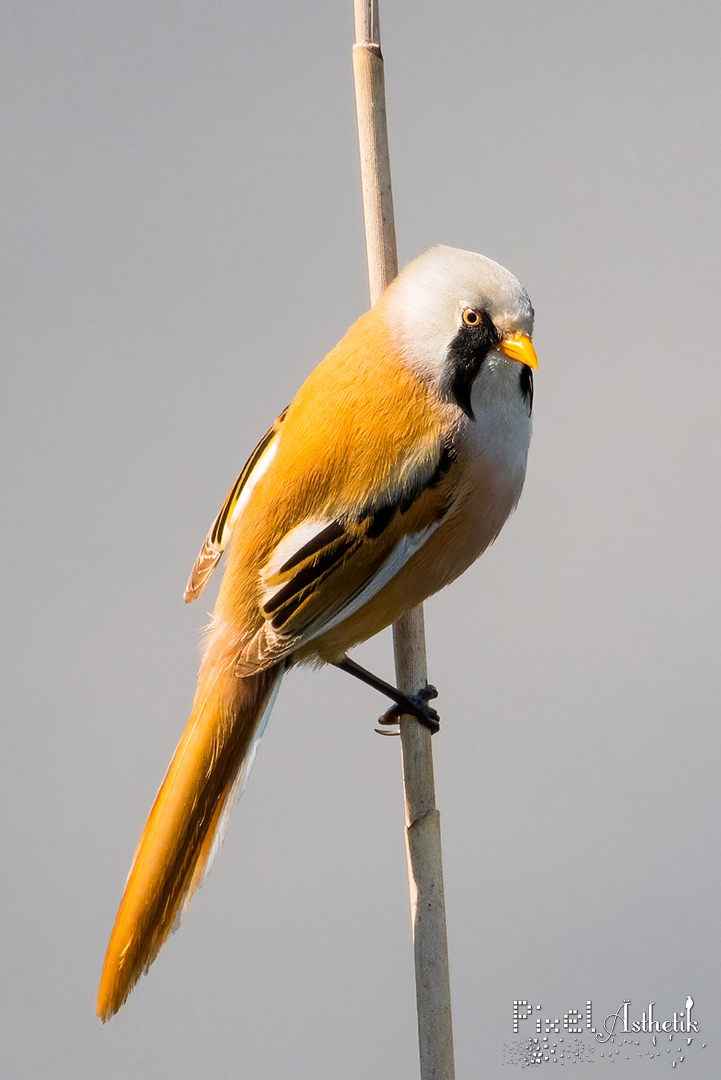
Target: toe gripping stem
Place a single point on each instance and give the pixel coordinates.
(405, 704)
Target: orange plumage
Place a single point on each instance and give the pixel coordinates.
(395, 465)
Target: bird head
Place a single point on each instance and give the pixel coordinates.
(449, 311)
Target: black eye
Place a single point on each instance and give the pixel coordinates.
(471, 317)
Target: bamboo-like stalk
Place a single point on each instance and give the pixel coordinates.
(423, 831)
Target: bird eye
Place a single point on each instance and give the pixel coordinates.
(471, 317)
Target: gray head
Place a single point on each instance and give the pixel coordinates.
(448, 298)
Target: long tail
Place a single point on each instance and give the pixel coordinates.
(186, 822)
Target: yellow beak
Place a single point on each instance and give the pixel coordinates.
(519, 348)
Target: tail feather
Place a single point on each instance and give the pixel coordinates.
(187, 819)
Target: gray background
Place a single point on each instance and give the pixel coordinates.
(183, 242)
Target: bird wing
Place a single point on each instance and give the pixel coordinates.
(221, 530)
(353, 481)
(326, 568)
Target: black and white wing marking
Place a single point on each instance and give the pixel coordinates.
(323, 571)
(235, 501)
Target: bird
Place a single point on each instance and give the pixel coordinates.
(394, 467)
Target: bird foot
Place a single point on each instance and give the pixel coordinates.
(413, 705)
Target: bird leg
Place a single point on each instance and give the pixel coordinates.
(405, 704)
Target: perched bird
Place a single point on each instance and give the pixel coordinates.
(395, 465)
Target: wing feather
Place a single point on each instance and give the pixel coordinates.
(221, 530)
(323, 571)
